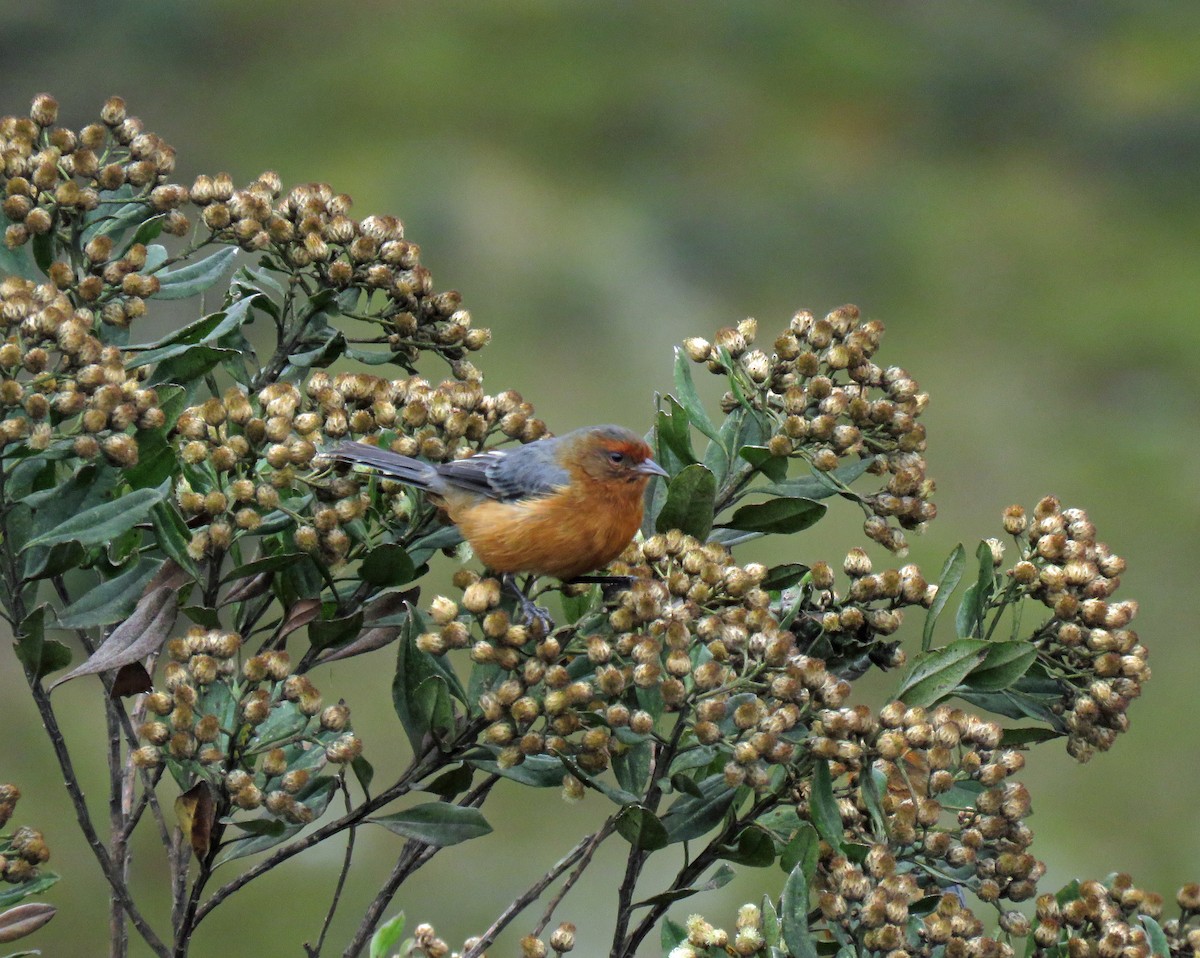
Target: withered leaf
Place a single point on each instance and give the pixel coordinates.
(171, 575)
(298, 616)
(384, 607)
(250, 587)
(131, 679)
(142, 633)
(195, 811)
(22, 920)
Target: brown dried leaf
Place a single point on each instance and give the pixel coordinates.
(298, 616)
(130, 679)
(142, 633)
(170, 575)
(248, 588)
(195, 810)
(22, 920)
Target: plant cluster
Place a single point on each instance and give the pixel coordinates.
(166, 511)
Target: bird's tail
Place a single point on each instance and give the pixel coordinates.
(389, 464)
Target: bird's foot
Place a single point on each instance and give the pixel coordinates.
(531, 612)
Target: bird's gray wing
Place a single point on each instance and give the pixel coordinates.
(527, 472)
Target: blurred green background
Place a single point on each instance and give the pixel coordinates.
(1010, 187)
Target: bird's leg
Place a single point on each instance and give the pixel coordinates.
(610, 585)
(530, 611)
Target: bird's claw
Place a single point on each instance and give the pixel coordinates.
(531, 612)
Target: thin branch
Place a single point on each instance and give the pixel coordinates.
(315, 950)
(414, 855)
(597, 839)
(532, 894)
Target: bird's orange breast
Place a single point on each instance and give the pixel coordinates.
(581, 528)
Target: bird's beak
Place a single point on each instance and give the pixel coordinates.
(648, 467)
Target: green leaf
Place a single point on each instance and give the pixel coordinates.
(387, 935)
(770, 922)
(632, 767)
(537, 771)
(105, 521)
(671, 935)
(823, 807)
(760, 457)
(364, 771)
(969, 620)
(784, 576)
(39, 655)
(195, 278)
(689, 398)
(433, 708)
(776, 515)
(454, 781)
(172, 535)
(272, 833)
(436, 823)
(387, 564)
(190, 365)
(114, 222)
(42, 246)
(936, 674)
(15, 262)
(110, 601)
(641, 828)
(330, 633)
(801, 850)
(952, 570)
(13, 894)
(690, 817)
(794, 908)
(1004, 664)
(1016, 737)
(674, 430)
(689, 505)
(820, 485)
(754, 848)
(1159, 945)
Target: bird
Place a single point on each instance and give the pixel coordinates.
(561, 506)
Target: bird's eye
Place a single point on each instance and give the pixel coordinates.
(616, 458)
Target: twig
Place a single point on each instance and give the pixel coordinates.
(414, 855)
(597, 839)
(315, 950)
(530, 895)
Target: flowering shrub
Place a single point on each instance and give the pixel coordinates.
(165, 503)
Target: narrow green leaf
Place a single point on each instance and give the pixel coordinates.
(331, 633)
(754, 848)
(1004, 664)
(387, 935)
(172, 535)
(784, 576)
(819, 485)
(690, 817)
(639, 826)
(674, 429)
(689, 505)
(794, 908)
(1159, 946)
(936, 674)
(436, 823)
(537, 771)
(15, 262)
(823, 806)
(632, 767)
(274, 832)
(42, 246)
(452, 782)
(1016, 737)
(801, 850)
(110, 601)
(689, 398)
(13, 894)
(39, 655)
(776, 515)
(952, 570)
(195, 278)
(190, 365)
(105, 521)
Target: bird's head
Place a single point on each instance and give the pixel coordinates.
(612, 454)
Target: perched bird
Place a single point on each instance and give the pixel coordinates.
(560, 507)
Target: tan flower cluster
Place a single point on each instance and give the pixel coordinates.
(1103, 920)
(310, 228)
(425, 943)
(827, 401)
(704, 939)
(56, 179)
(694, 627)
(852, 627)
(260, 444)
(58, 381)
(25, 849)
(1087, 641)
(265, 750)
(979, 838)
